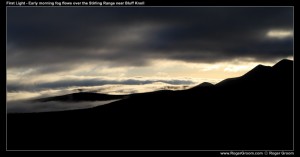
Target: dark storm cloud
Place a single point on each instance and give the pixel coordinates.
(133, 36)
(17, 86)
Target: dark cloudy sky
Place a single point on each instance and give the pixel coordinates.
(59, 47)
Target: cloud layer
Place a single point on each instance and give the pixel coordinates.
(61, 38)
(61, 84)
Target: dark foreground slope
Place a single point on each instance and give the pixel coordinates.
(251, 112)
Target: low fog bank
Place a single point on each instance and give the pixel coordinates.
(20, 101)
(30, 107)
(113, 89)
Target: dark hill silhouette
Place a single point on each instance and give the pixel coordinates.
(204, 84)
(251, 112)
(82, 96)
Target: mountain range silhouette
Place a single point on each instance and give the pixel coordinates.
(251, 112)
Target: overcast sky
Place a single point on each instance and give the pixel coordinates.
(58, 47)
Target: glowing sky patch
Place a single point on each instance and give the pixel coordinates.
(280, 34)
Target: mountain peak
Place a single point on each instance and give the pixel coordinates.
(205, 84)
(258, 70)
(283, 63)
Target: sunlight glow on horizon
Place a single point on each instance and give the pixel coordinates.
(161, 69)
(158, 70)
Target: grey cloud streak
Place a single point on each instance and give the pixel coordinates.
(16, 86)
(133, 36)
